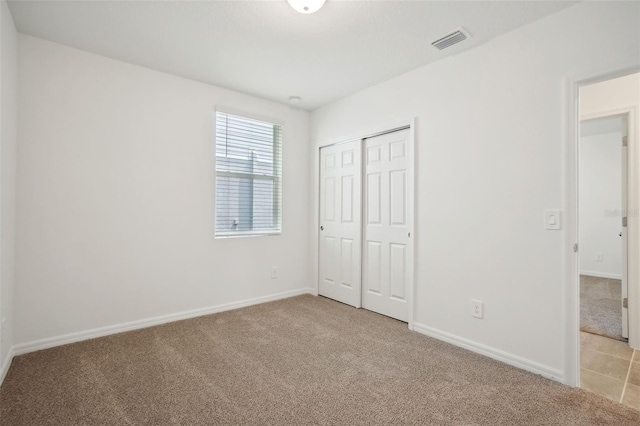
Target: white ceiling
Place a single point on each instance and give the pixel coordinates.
(267, 49)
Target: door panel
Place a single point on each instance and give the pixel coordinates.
(387, 256)
(340, 223)
(373, 253)
(328, 252)
(398, 195)
(346, 263)
(398, 260)
(329, 196)
(347, 199)
(373, 199)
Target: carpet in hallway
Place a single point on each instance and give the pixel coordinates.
(600, 306)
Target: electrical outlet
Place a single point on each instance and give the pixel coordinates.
(477, 308)
(598, 257)
(274, 272)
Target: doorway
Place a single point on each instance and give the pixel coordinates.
(365, 223)
(607, 185)
(602, 226)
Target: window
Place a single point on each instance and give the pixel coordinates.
(248, 176)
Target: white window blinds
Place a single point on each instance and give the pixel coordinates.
(248, 176)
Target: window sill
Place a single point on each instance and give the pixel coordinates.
(246, 234)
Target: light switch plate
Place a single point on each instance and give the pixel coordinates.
(552, 219)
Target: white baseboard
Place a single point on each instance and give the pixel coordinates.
(601, 275)
(4, 369)
(65, 339)
(497, 354)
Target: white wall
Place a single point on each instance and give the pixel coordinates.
(490, 133)
(116, 197)
(8, 144)
(600, 197)
(606, 96)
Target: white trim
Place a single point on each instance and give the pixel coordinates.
(7, 363)
(314, 261)
(571, 292)
(626, 110)
(412, 223)
(601, 275)
(497, 354)
(65, 339)
(247, 234)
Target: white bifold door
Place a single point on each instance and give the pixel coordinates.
(366, 204)
(340, 222)
(387, 255)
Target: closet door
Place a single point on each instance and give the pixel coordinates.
(340, 222)
(387, 254)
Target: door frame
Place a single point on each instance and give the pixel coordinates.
(571, 288)
(315, 202)
(630, 112)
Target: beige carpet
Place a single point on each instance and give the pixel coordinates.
(305, 360)
(600, 310)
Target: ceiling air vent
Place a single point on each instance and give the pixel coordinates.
(450, 39)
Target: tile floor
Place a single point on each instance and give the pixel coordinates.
(610, 368)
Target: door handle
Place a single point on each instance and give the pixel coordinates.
(620, 234)
(322, 228)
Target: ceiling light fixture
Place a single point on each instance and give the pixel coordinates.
(306, 6)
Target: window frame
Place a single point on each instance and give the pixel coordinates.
(277, 180)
